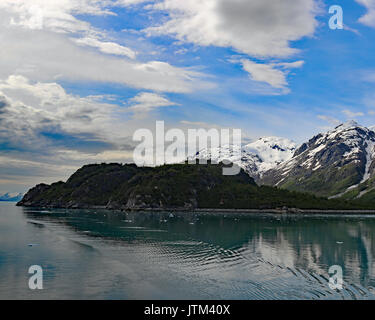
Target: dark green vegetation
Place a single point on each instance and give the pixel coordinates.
(182, 186)
(364, 191)
(329, 181)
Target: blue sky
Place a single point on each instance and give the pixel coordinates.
(78, 77)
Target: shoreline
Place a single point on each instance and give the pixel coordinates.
(275, 211)
(262, 211)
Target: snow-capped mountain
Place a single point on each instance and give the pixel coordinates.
(329, 164)
(272, 151)
(11, 196)
(256, 157)
(338, 163)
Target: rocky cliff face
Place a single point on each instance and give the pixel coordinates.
(29, 197)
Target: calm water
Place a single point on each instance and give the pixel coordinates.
(108, 255)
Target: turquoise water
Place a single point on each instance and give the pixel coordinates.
(92, 254)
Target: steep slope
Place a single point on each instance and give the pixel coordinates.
(91, 185)
(181, 186)
(329, 164)
(256, 157)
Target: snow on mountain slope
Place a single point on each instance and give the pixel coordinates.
(10, 196)
(256, 157)
(329, 163)
(272, 151)
(369, 158)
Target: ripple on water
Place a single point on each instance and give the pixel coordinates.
(243, 259)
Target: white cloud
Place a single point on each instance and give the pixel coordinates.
(59, 15)
(146, 101)
(37, 43)
(128, 2)
(28, 110)
(42, 118)
(290, 65)
(268, 73)
(261, 28)
(265, 73)
(51, 56)
(369, 18)
(331, 120)
(351, 114)
(273, 74)
(107, 47)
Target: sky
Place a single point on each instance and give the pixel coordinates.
(78, 77)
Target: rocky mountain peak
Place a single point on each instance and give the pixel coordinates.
(330, 162)
(347, 125)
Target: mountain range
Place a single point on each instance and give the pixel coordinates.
(337, 166)
(10, 196)
(339, 163)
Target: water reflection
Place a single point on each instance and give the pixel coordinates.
(114, 255)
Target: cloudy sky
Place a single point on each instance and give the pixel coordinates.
(78, 77)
